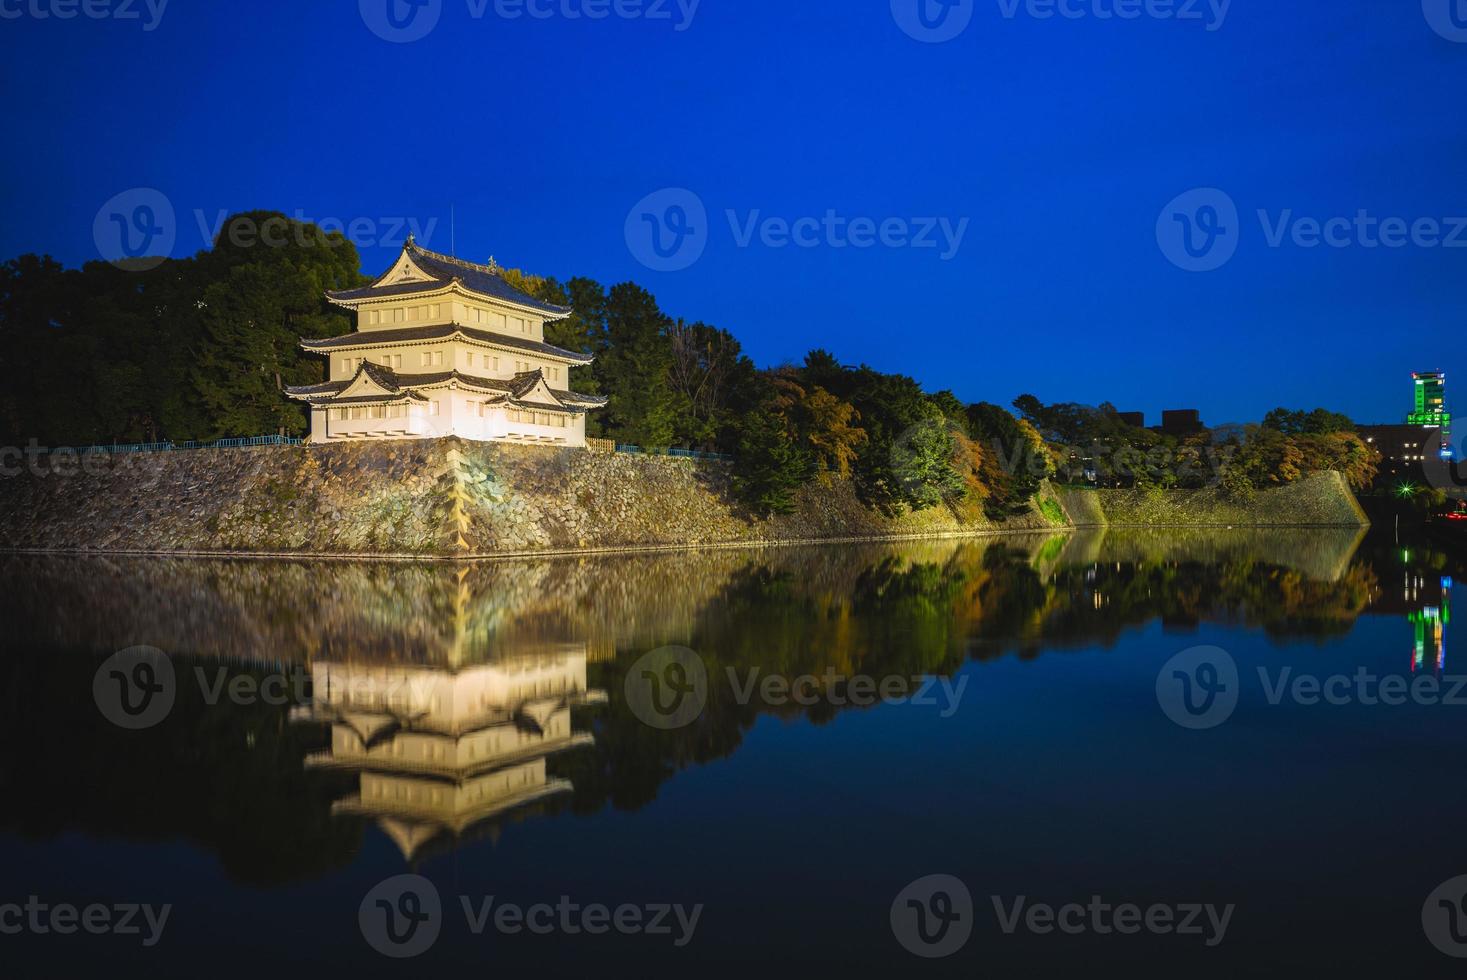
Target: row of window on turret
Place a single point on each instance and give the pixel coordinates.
(434, 359)
(433, 313)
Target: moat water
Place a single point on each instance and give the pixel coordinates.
(1223, 753)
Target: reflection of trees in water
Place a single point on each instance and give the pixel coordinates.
(1103, 601)
(232, 779)
(897, 617)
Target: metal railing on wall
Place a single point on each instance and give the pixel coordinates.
(117, 448)
(603, 445)
(679, 453)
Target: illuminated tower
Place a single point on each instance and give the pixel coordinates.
(1431, 406)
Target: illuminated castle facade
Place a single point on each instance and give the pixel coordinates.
(444, 347)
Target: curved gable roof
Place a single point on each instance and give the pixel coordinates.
(441, 331)
(391, 385)
(444, 269)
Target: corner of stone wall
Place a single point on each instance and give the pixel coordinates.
(1082, 506)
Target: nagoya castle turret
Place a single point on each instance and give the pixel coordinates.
(444, 347)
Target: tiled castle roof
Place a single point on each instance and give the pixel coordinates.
(485, 280)
(405, 335)
(405, 385)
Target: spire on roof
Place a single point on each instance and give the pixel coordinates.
(493, 265)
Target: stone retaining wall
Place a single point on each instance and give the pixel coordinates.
(423, 498)
(449, 498)
(1320, 500)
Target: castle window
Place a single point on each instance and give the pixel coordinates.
(471, 358)
(435, 408)
(397, 315)
(433, 311)
(374, 317)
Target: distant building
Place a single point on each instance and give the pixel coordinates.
(444, 347)
(1431, 406)
(1137, 419)
(1400, 444)
(1427, 430)
(1180, 422)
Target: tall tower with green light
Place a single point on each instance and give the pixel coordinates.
(1431, 406)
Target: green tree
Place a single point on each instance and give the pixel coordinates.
(1015, 458)
(584, 331)
(706, 373)
(633, 369)
(267, 276)
(770, 467)
(1319, 422)
(922, 463)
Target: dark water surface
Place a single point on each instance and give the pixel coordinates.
(606, 732)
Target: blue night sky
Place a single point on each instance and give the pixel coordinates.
(1060, 140)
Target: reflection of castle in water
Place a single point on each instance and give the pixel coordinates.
(440, 750)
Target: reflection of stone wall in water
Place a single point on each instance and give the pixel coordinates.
(445, 498)
(468, 613)
(382, 612)
(457, 681)
(1321, 554)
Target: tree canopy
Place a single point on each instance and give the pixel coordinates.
(200, 348)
